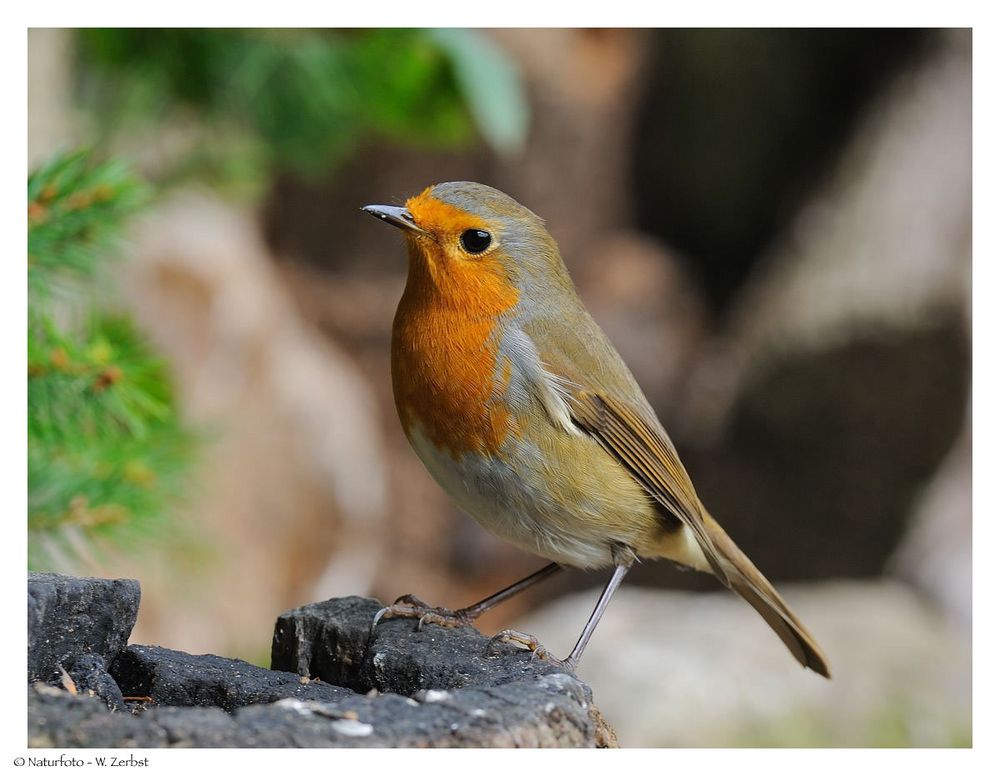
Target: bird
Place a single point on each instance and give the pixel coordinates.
(525, 414)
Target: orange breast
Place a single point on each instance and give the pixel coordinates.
(445, 344)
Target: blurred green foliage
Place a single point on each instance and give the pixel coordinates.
(107, 454)
(301, 99)
(490, 85)
(74, 212)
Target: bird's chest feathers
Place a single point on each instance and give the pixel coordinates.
(448, 375)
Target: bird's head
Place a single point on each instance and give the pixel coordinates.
(467, 239)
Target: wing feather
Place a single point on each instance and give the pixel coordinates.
(650, 458)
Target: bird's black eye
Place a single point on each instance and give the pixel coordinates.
(475, 240)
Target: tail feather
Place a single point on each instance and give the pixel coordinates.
(753, 586)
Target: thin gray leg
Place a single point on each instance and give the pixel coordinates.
(595, 617)
(474, 611)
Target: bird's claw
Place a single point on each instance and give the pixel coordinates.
(530, 643)
(526, 640)
(410, 606)
(411, 600)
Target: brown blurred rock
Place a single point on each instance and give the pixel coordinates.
(641, 296)
(736, 127)
(842, 379)
(292, 477)
(884, 247)
(52, 124)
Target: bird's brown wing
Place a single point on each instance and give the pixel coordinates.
(644, 449)
(649, 456)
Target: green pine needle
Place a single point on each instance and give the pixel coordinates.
(75, 209)
(107, 455)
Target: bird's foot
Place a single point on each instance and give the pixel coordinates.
(413, 608)
(531, 643)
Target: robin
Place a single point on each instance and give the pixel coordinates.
(522, 410)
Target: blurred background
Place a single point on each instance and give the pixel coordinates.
(772, 226)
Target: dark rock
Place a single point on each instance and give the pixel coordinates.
(172, 678)
(512, 698)
(331, 640)
(73, 616)
(463, 693)
(90, 676)
(547, 711)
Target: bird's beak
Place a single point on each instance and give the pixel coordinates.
(397, 216)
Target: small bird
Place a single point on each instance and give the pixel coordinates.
(525, 414)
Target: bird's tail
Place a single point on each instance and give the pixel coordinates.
(746, 580)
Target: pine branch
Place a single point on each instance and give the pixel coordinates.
(107, 454)
(75, 209)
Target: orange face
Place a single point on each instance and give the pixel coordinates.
(468, 278)
(446, 374)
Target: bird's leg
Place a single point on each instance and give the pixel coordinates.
(595, 617)
(570, 663)
(411, 606)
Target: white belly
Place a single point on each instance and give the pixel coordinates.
(509, 504)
